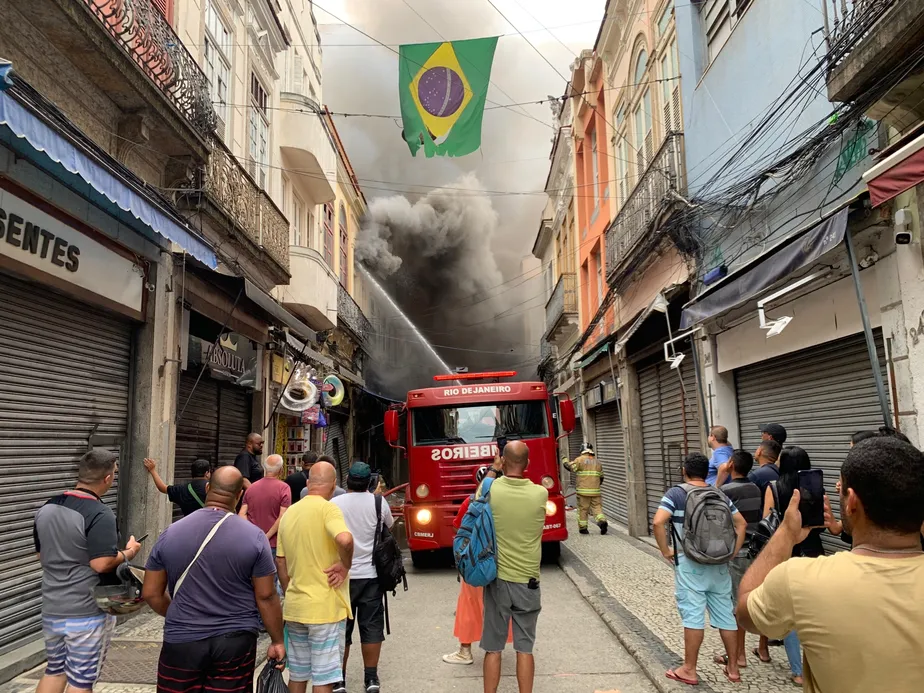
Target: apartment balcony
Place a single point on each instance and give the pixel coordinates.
(126, 52)
(243, 210)
(312, 292)
(351, 315)
(561, 310)
(308, 154)
(868, 41)
(640, 216)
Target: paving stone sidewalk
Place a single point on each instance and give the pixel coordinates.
(641, 583)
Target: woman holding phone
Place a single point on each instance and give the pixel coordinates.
(793, 459)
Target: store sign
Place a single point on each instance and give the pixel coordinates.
(233, 358)
(35, 238)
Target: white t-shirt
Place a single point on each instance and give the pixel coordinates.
(359, 513)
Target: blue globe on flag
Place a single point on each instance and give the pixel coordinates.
(441, 91)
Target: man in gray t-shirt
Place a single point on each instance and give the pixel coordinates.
(76, 539)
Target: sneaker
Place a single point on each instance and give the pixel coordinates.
(603, 527)
(582, 530)
(372, 686)
(460, 657)
(340, 687)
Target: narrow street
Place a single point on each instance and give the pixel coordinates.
(575, 651)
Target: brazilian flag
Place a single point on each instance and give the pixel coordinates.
(443, 88)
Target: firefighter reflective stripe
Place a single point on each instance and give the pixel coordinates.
(588, 492)
(589, 474)
(836, 398)
(64, 372)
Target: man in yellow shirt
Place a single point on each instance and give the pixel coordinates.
(313, 556)
(858, 614)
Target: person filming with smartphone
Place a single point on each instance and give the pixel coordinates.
(857, 613)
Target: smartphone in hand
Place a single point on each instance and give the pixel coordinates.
(812, 497)
(501, 444)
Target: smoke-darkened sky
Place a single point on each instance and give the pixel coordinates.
(497, 228)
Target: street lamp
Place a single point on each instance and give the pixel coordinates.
(777, 325)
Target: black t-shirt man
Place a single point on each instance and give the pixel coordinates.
(249, 466)
(189, 497)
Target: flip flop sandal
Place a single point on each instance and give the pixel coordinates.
(736, 679)
(756, 653)
(723, 660)
(671, 674)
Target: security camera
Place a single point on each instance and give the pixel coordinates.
(903, 226)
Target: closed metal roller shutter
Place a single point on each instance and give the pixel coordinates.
(336, 445)
(670, 425)
(611, 452)
(821, 395)
(64, 369)
(214, 425)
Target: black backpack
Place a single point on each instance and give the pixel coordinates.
(767, 527)
(386, 555)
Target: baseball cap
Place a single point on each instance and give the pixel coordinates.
(775, 431)
(360, 470)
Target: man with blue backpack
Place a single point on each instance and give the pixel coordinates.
(499, 547)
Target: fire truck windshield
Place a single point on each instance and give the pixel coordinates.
(476, 423)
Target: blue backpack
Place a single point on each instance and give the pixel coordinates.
(475, 545)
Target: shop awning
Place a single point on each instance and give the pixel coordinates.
(354, 378)
(897, 173)
(587, 360)
(301, 346)
(92, 168)
(797, 251)
(659, 303)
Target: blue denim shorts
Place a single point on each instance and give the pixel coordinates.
(699, 588)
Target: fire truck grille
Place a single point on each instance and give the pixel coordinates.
(458, 477)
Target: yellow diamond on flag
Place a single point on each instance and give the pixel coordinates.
(440, 90)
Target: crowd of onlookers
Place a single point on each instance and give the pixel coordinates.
(850, 621)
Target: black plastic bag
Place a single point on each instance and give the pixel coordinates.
(271, 680)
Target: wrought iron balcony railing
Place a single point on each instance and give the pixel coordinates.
(848, 21)
(142, 31)
(663, 175)
(236, 194)
(563, 300)
(349, 312)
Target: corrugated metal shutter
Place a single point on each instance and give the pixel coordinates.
(336, 445)
(670, 425)
(64, 368)
(214, 425)
(611, 452)
(821, 395)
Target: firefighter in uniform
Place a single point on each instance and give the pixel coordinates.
(589, 473)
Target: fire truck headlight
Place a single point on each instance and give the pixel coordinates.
(550, 508)
(424, 516)
(423, 491)
(548, 482)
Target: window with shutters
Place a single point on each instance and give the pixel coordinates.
(670, 89)
(329, 234)
(598, 265)
(719, 19)
(259, 132)
(641, 64)
(217, 55)
(644, 139)
(595, 168)
(297, 221)
(166, 8)
(344, 247)
(298, 77)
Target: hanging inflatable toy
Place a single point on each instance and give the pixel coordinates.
(338, 392)
(301, 393)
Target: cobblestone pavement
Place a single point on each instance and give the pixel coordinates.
(634, 573)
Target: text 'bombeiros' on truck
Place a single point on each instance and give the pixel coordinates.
(451, 431)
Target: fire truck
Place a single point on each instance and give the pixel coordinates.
(451, 431)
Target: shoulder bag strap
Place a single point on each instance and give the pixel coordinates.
(775, 492)
(189, 487)
(208, 538)
(378, 520)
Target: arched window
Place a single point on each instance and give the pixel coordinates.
(641, 65)
(344, 243)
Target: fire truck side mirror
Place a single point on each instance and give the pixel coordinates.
(566, 414)
(392, 431)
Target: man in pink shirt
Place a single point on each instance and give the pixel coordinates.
(266, 501)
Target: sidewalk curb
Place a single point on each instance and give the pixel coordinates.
(648, 650)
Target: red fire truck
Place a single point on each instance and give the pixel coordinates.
(451, 432)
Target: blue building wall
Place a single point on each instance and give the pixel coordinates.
(725, 100)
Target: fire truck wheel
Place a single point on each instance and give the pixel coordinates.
(551, 551)
(422, 560)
